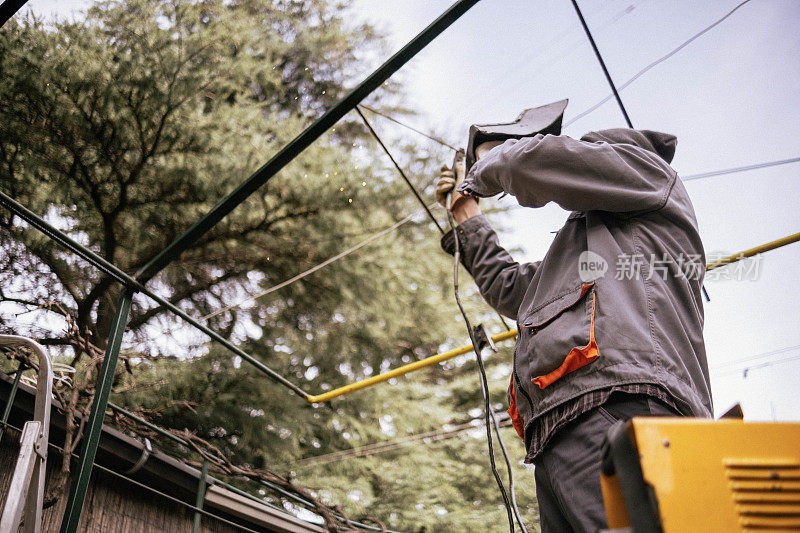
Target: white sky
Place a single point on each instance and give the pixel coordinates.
(727, 97)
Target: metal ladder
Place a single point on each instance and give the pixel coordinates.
(26, 492)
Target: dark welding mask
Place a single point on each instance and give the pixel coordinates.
(545, 119)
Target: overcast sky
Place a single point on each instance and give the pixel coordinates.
(729, 97)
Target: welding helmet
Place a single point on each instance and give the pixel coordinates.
(545, 119)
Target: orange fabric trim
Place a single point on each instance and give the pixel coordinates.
(516, 420)
(576, 358)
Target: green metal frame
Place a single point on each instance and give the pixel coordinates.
(201, 496)
(132, 285)
(94, 425)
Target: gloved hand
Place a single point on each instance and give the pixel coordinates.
(445, 185)
(449, 179)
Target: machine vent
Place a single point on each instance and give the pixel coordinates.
(766, 492)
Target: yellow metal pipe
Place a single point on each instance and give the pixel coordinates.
(754, 251)
(436, 359)
(405, 369)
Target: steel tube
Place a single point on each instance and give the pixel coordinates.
(94, 424)
(789, 239)
(201, 496)
(11, 396)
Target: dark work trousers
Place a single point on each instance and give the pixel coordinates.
(567, 471)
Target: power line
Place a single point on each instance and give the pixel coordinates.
(754, 357)
(384, 446)
(740, 169)
(292, 279)
(655, 63)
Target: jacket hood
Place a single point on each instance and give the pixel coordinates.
(662, 144)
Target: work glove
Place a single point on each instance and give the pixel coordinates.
(449, 180)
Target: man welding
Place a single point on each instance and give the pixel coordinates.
(610, 320)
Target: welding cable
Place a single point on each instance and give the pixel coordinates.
(511, 510)
(511, 491)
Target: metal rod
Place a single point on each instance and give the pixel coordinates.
(149, 425)
(789, 239)
(11, 396)
(405, 369)
(9, 8)
(201, 496)
(94, 425)
(303, 141)
(602, 64)
(36, 221)
(400, 170)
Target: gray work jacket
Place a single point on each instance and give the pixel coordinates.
(583, 328)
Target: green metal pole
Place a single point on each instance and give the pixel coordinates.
(11, 396)
(94, 425)
(201, 496)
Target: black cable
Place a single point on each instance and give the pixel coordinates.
(602, 63)
(484, 384)
(400, 170)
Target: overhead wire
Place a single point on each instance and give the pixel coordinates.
(738, 362)
(734, 170)
(654, 64)
(313, 269)
(384, 446)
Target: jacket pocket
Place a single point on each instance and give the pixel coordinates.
(562, 336)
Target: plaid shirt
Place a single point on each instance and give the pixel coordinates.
(542, 429)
